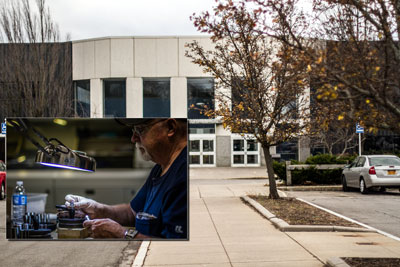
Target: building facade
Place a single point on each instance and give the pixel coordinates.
(151, 77)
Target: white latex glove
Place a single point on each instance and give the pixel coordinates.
(87, 205)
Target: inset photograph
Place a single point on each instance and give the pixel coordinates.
(97, 179)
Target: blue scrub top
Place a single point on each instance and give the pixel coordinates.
(161, 204)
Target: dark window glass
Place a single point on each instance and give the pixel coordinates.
(208, 159)
(361, 162)
(208, 145)
(238, 145)
(200, 96)
(238, 159)
(202, 128)
(194, 145)
(287, 150)
(239, 91)
(252, 145)
(156, 97)
(290, 110)
(385, 161)
(252, 159)
(194, 159)
(114, 98)
(82, 98)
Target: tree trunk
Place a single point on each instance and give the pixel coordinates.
(273, 192)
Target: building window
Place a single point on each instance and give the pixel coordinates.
(201, 128)
(114, 98)
(245, 152)
(200, 96)
(287, 150)
(156, 97)
(240, 94)
(290, 109)
(202, 150)
(82, 98)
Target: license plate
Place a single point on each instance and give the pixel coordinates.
(391, 172)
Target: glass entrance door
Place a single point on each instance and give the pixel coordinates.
(202, 150)
(245, 151)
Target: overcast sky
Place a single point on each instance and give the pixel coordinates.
(85, 19)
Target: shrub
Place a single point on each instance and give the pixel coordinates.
(279, 169)
(312, 175)
(325, 159)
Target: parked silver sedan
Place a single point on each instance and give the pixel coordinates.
(366, 172)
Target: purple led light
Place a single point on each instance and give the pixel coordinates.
(63, 166)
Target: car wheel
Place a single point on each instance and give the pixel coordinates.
(3, 191)
(363, 187)
(344, 184)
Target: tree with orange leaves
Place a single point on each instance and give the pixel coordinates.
(261, 85)
(353, 46)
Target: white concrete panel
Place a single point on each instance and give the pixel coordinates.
(102, 58)
(82, 60)
(220, 131)
(122, 58)
(96, 98)
(145, 57)
(167, 57)
(223, 96)
(156, 57)
(77, 61)
(178, 98)
(134, 98)
(186, 67)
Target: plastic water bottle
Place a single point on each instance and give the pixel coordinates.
(19, 204)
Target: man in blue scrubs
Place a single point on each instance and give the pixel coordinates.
(159, 210)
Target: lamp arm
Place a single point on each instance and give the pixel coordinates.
(23, 127)
(59, 142)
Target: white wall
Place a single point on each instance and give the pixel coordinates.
(135, 58)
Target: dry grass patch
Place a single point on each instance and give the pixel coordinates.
(296, 212)
(372, 262)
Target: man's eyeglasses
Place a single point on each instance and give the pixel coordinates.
(142, 129)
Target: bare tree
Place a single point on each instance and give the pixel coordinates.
(36, 77)
(261, 85)
(335, 133)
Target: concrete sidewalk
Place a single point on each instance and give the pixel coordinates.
(227, 172)
(226, 232)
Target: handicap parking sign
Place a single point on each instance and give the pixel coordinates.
(3, 128)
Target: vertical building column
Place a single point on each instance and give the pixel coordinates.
(134, 98)
(178, 97)
(304, 148)
(96, 98)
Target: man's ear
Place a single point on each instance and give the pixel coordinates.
(172, 127)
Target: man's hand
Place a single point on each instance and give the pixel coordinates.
(104, 228)
(88, 206)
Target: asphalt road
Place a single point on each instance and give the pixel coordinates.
(379, 210)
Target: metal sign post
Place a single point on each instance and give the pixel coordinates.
(359, 130)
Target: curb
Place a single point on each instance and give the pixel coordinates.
(311, 188)
(141, 254)
(285, 227)
(336, 262)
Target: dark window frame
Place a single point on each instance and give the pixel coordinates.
(76, 100)
(104, 81)
(147, 111)
(194, 113)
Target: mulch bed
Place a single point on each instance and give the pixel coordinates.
(372, 262)
(296, 212)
